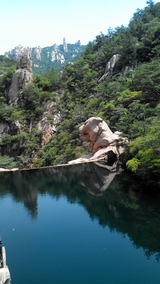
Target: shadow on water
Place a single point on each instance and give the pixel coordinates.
(110, 195)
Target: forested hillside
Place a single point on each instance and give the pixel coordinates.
(127, 97)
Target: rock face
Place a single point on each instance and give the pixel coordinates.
(78, 43)
(25, 61)
(109, 66)
(65, 48)
(4, 128)
(38, 51)
(16, 52)
(45, 127)
(22, 76)
(57, 57)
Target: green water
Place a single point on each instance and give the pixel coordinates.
(79, 224)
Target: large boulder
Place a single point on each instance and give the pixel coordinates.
(103, 142)
(97, 132)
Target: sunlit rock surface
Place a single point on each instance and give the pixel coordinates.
(103, 142)
(109, 66)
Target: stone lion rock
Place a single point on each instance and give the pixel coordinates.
(97, 132)
(102, 140)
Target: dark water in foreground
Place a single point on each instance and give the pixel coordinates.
(79, 224)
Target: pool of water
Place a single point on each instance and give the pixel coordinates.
(79, 224)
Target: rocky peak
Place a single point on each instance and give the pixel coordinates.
(109, 66)
(55, 47)
(57, 57)
(16, 52)
(52, 56)
(65, 48)
(37, 52)
(78, 43)
(21, 77)
(25, 61)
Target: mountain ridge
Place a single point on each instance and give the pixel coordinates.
(55, 56)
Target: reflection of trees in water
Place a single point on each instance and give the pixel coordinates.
(112, 197)
(22, 187)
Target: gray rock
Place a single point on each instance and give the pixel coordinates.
(4, 128)
(65, 48)
(38, 51)
(22, 76)
(25, 61)
(109, 66)
(16, 52)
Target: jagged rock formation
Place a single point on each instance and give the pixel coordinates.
(38, 51)
(56, 56)
(25, 61)
(21, 77)
(15, 53)
(102, 140)
(109, 66)
(78, 43)
(65, 48)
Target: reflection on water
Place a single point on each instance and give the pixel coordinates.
(108, 194)
(98, 177)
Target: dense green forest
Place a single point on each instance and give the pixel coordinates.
(128, 99)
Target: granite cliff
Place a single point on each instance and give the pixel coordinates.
(22, 76)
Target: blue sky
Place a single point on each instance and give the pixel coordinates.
(45, 22)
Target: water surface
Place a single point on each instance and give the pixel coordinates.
(79, 224)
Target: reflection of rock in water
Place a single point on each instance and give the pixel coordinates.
(99, 177)
(26, 191)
